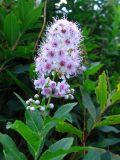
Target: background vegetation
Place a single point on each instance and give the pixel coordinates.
(20, 28)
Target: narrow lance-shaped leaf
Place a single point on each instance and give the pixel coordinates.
(88, 104)
(24, 87)
(32, 17)
(101, 91)
(21, 100)
(110, 120)
(64, 110)
(9, 148)
(11, 28)
(93, 68)
(64, 127)
(24, 7)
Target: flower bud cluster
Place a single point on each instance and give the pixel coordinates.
(59, 55)
(33, 104)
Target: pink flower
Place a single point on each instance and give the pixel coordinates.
(60, 54)
(39, 83)
(46, 92)
(53, 84)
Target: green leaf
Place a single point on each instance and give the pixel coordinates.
(92, 155)
(110, 120)
(90, 123)
(24, 7)
(34, 120)
(105, 142)
(9, 148)
(89, 85)
(101, 91)
(64, 127)
(48, 126)
(93, 68)
(64, 143)
(106, 156)
(115, 97)
(11, 28)
(32, 138)
(48, 155)
(20, 84)
(108, 129)
(31, 18)
(22, 101)
(64, 110)
(88, 104)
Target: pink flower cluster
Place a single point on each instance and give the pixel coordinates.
(59, 55)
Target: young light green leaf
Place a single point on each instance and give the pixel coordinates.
(34, 120)
(64, 127)
(11, 28)
(101, 91)
(88, 104)
(115, 97)
(110, 120)
(9, 148)
(32, 138)
(64, 110)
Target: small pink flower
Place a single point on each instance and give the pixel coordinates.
(53, 84)
(46, 92)
(48, 66)
(62, 63)
(51, 54)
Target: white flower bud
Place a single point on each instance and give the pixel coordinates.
(32, 108)
(71, 96)
(36, 96)
(36, 88)
(66, 97)
(30, 100)
(28, 107)
(42, 108)
(68, 76)
(51, 105)
(38, 2)
(68, 91)
(72, 90)
(27, 102)
(37, 102)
